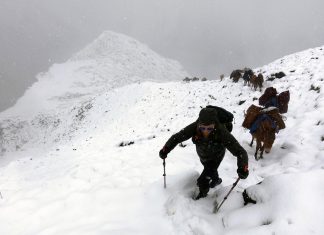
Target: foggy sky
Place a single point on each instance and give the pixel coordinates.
(208, 37)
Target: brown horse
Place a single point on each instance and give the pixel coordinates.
(257, 81)
(265, 135)
(236, 75)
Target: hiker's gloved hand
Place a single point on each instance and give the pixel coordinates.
(196, 139)
(243, 172)
(164, 152)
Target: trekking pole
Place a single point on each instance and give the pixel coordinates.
(235, 183)
(164, 175)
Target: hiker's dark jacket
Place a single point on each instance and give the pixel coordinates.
(212, 148)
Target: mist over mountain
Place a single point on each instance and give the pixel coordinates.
(208, 37)
(54, 107)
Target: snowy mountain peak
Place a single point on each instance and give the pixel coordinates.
(124, 60)
(112, 45)
(112, 60)
(52, 108)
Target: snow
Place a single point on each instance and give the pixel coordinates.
(53, 109)
(111, 61)
(63, 170)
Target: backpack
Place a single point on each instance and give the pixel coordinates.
(283, 100)
(266, 98)
(225, 117)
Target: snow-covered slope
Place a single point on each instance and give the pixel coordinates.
(53, 108)
(108, 178)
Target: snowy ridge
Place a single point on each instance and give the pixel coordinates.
(113, 60)
(55, 107)
(92, 185)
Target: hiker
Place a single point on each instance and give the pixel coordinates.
(211, 137)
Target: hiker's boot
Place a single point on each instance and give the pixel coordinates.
(202, 193)
(215, 182)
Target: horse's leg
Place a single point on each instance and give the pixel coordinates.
(261, 149)
(256, 150)
(252, 141)
(256, 154)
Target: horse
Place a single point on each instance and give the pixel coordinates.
(265, 135)
(257, 81)
(248, 73)
(236, 75)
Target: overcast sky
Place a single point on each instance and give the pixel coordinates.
(208, 37)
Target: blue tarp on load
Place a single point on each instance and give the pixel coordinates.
(255, 125)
